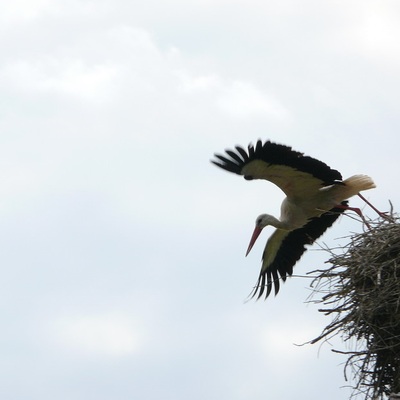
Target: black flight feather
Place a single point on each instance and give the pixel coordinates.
(278, 154)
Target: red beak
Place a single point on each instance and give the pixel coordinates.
(253, 239)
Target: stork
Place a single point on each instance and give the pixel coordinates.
(315, 197)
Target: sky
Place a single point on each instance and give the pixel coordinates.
(123, 273)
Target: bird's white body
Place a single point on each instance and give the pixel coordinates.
(296, 210)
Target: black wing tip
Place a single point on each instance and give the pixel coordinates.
(235, 160)
(275, 153)
(230, 165)
(232, 161)
(266, 281)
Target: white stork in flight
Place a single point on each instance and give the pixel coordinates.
(315, 198)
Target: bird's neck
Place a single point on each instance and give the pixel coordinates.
(280, 224)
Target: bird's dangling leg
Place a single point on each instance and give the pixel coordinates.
(380, 213)
(357, 211)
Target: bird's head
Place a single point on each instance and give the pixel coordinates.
(261, 222)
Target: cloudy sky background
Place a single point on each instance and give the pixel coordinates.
(122, 261)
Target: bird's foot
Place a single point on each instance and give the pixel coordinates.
(357, 211)
(385, 215)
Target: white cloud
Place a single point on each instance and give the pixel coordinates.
(23, 11)
(65, 77)
(198, 84)
(108, 335)
(244, 100)
(373, 32)
(20, 10)
(237, 98)
(378, 34)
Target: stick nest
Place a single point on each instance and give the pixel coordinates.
(361, 290)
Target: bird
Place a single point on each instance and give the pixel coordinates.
(316, 195)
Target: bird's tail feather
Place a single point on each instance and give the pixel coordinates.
(360, 182)
(357, 183)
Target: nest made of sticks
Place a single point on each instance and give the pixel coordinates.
(361, 290)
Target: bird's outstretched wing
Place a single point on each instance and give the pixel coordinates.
(284, 249)
(296, 174)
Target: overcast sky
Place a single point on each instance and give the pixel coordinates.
(123, 273)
